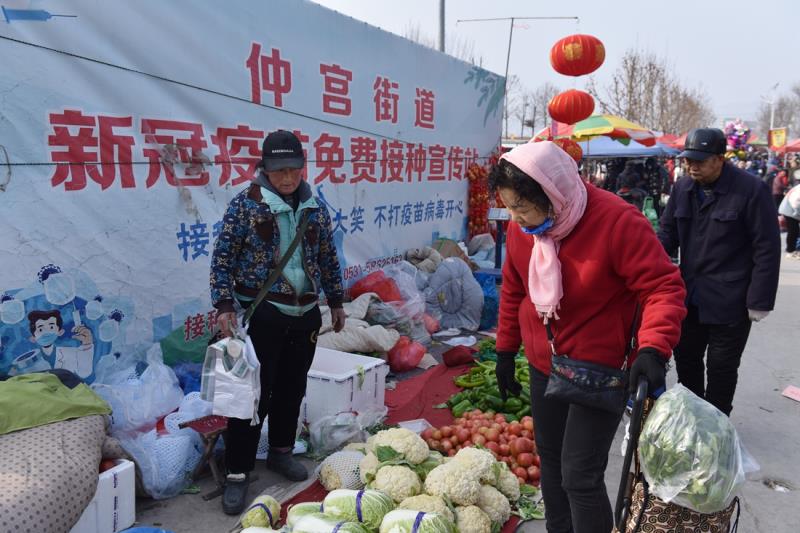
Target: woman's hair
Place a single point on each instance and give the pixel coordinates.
(506, 175)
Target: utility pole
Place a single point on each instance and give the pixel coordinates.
(508, 52)
(441, 25)
(522, 120)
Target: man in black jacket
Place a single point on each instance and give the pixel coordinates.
(723, 221)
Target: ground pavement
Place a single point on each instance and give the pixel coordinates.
(768, 423)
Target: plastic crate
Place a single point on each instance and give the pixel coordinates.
(113, 507)
(341, 381)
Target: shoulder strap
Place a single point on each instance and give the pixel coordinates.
(273, 277)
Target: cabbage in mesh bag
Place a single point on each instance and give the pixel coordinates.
(690, 452)
(365, 506)
(407, 521)
(340, 471)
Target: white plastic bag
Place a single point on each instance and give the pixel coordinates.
(231, 379)
(330, 433)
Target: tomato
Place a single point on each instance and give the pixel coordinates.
(503, 449)
(447, 446)
(534, 474)
(451, 453)
(521, 473)
(458, 447)
(495, 425)
(466, 444)
(523, 445)
(527, 423)
(503, 426)
(527, 434)
(446, 431)
(493, 435)
(512, 438)
(434, 444)
(480, 440)
(500, 419)
(524, 459)
(493, 447)
(506, 460)
(536, 460)
(463, 435)
(515, 428)
(427, 434)
(483, 430)
(477, 413)
(453, 440)
(437, 434)
(502, 439)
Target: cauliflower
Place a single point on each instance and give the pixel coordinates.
(507, 483)
(405, 443)
(471, 519)
(368, 467)
(481, 461)
(399, 482)
(371, 444)
(356, 447)
(493, 503)
(456, 481)
(428, 504)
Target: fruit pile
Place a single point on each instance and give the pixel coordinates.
(509, 442)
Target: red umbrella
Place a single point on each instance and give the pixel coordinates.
(791, 146)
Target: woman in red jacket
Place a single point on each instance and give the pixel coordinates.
(579, 258)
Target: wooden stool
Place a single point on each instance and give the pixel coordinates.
(210, 428)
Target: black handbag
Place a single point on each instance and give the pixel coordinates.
(589, 384)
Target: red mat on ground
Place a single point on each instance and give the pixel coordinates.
(412, 399)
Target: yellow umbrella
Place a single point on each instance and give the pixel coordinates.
(615, 127)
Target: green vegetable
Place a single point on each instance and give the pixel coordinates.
(690, 452)
(530, 505)
(342, 504)
(512, 405)
(299, 510)
(461, 408)
(264, 511)
(408, 521)
(321, 523)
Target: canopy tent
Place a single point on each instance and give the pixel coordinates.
(599, 125)
(791, 146)
(607, 147)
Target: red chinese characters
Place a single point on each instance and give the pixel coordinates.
(330, 158)
(386, 98)
(82, 141)
(167, 149)
(455, 163)
(423, 109)
(304, 142)
(335, 98)
(391, 160)
(436, 155)
(416, 161)
(363, 155)
(269, 73)
(240, 151)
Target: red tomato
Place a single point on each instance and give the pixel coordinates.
(527, 423)
(503, 426)
(446, 431)
(466, 444)
(447, 446)
(511, 438)
(502, 439)
(480, 440)
(500, 419)
(536, 460)
(504, 450)
(458, 447)
(525, 459)
(524, 445)
(463, 435)
(515, 428)
(451, 453)
(521, 473)
(437, 434)
(435, 445)
(427, 434)
(493, 447)
(527, 434)
(431, 443)
(495, 425)
(506, 460)
(534, 474)
(483, 430)
(493, 435)
(477, 413)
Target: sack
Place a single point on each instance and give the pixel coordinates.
(231, 380)
(648, 513)
(587, 384)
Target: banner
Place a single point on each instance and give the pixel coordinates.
(777, 138)
(127, 127)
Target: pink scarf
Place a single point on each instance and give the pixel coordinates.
(557, 173)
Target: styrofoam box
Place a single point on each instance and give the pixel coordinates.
(113, 507)
(334, 385)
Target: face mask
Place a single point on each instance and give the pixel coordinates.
(47, 339)
(541, 228)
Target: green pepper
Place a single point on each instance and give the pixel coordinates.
(494, 402)
(512, 405)
(510, 417)
(525, 411)
(468, 381)
(461, 408)
(456, 398)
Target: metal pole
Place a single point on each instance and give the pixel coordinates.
(441, 25)
(505, 80)
(522, 120)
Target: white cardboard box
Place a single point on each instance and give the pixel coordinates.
(113, 507)
(341, 381)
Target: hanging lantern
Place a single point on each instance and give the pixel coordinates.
(577, 55)
(572, 148)
(571, 106)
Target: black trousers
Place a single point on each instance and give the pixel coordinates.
(792, 232)
(285, 346)
(722, 346)
(573, 444)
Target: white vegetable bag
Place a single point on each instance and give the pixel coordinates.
(231, 379)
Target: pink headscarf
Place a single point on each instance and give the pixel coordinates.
(557, 173)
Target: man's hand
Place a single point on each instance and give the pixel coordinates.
(338, 318)
(227, 323)
(756, 316)
(82, 334)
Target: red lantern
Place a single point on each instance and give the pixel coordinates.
(571, 147)
(571, 106)
(577, 55)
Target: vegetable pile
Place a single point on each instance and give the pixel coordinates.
(509, 443)
(481, 392)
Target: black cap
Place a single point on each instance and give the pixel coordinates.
(702, 143)
(282, 149)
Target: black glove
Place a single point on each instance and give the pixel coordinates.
(653, 366)
(505, 375)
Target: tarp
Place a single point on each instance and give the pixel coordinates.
(607, 147)
(127, 127)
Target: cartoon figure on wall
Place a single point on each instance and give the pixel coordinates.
(47, 330)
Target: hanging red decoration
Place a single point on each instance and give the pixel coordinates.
(571, 147)
(577, 55)
(571, 106)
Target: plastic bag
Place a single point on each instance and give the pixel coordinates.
(140, 392)
(405, 355)
(377, 282)
(330, 433)
(691, 454)
(491, 300)
(231, 379)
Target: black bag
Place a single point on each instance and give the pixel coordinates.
(589, 384)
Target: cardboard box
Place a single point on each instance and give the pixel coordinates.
(341, 381)
(113, 507)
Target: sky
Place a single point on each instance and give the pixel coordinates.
(735, 51)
